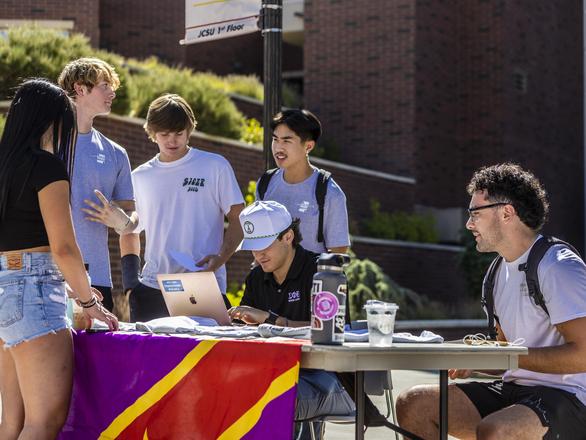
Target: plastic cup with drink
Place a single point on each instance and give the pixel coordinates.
(380, 317)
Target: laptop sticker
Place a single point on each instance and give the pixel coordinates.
(173, 286)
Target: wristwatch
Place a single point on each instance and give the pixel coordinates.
(272, 319)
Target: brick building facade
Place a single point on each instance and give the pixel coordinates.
(83, 14)
(434, 90)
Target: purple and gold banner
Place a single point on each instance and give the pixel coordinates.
(135, 386)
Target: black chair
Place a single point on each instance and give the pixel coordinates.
(376, 383)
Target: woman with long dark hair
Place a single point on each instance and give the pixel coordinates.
(37, 252)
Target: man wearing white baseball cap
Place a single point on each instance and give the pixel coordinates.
(278, 290)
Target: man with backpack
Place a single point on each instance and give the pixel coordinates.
(535, 291)
(307, 192)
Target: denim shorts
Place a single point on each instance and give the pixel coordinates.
(33, 301)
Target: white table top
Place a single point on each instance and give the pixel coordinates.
(361, 357)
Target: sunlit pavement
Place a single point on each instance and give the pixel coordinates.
(402, 380)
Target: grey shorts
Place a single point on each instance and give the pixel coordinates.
(33, 301)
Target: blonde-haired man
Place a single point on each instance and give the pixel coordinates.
(101, 186)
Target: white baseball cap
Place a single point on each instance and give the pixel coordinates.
(261, 223)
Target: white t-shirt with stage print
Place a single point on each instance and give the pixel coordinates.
(181, 207)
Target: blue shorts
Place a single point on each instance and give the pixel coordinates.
(33, 301)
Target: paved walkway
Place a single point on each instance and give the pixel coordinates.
(401, 380)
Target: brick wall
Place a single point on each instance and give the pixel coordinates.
(84, 13)
(459, 59)
(542, 126)
(472, 57)
(139, 28)
(405, 264)
(360, 79)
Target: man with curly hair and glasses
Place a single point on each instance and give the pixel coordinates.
(545, 397)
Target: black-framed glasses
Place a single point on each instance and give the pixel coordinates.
(492, 205)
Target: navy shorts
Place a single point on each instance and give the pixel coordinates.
(561, 411)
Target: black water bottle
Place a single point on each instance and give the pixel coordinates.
(328, 300)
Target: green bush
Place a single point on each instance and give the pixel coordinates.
(366, 280)
(246, 85)
(235, 292)
(37, 52)
(2, 122)
(252, 132)
(399, 225)
(474, 264)
(250, 193)
(291, 97)
(214, 111)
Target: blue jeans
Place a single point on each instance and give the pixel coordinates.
(319, 393)
(33, 301)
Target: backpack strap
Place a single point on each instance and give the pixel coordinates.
(488, 296)
(530, 267)
(321, 188)
(263, 182)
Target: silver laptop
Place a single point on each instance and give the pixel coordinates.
(194, 294)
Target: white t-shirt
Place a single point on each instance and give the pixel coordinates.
(181, 207)
(562, 278)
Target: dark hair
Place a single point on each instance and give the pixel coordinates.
(294, 226)
(37, 104)
(304, 123)
(508, 182)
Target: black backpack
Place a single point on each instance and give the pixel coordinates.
(537, 252)
(321, 188)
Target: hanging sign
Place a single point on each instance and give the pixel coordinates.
(207, 20)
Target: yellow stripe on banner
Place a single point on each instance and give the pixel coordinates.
(157, 391)
(146, 435)
(247, 421)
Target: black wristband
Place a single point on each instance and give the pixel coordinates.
(130, 271)
(86, 305)
(272, 319)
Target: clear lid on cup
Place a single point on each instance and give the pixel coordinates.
(373, 304)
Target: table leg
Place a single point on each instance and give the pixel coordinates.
(359, 400)
(443, 408)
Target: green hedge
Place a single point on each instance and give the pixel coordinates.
(214, 111)
(399, 225)
(2, 122)
(37, 52)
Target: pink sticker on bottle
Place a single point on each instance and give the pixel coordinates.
(325, 305)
